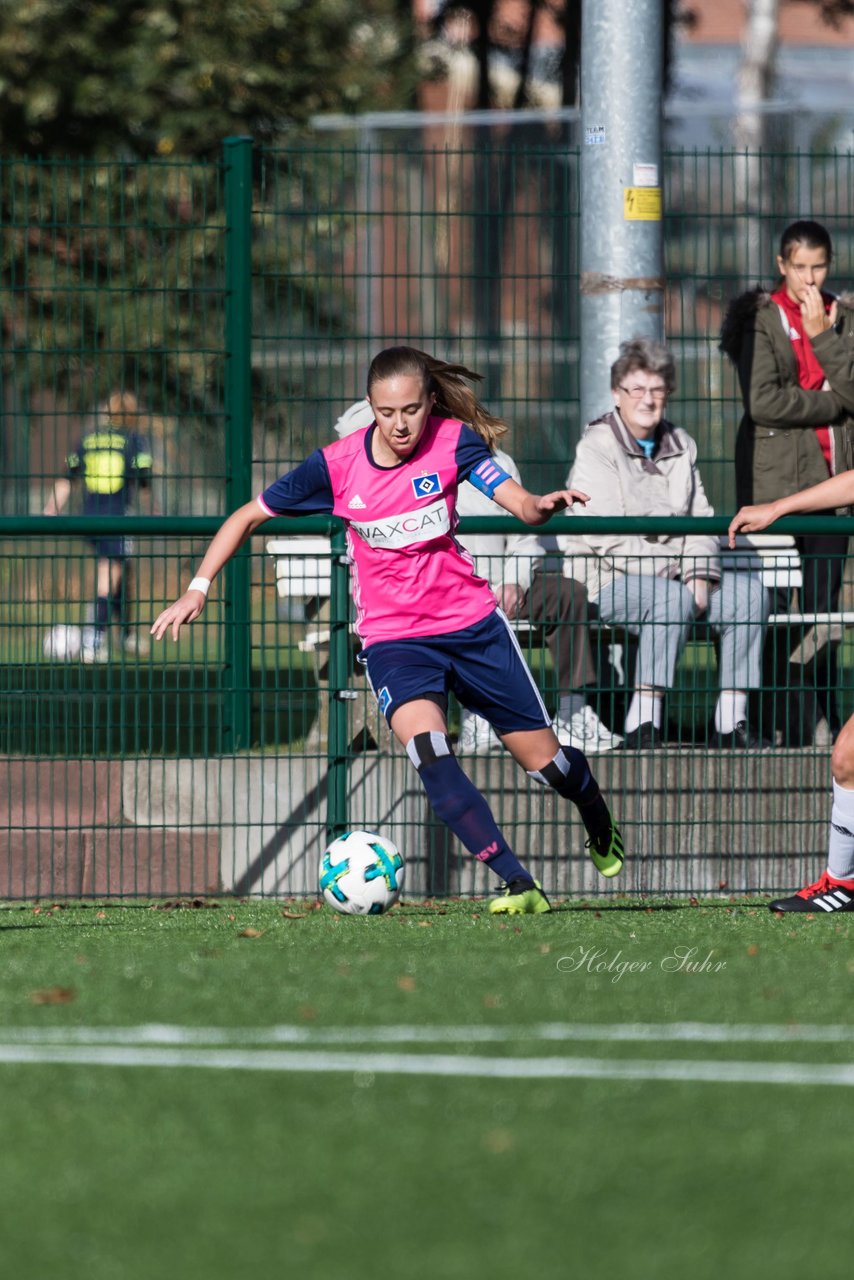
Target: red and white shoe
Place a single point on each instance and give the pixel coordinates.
(827, 895)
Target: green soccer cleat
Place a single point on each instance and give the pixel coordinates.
(530, 902)
(606, 850)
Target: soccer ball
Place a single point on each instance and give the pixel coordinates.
(361, 874)
(62, 643)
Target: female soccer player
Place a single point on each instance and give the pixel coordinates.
(429, 625)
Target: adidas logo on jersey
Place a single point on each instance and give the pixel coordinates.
(356, 503)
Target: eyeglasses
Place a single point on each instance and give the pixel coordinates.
(639, 393)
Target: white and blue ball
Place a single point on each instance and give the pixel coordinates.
(361, 874)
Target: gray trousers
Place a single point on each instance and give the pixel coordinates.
(661, 612)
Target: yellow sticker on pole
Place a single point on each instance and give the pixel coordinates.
(642, 204)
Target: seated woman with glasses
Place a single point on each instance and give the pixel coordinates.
(636, 463)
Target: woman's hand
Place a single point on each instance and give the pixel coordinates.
(510, 597)
(184, 610)
(532, 508)
(700, 589)
(752, 519)
(548, 504)
(814, 314)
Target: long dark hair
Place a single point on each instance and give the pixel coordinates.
(447, 381)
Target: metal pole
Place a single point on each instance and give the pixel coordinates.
(622, 284)
(339, 691)
(237, 165)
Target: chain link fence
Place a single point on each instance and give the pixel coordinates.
(240, 303)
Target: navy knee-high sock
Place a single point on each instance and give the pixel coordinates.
(102, 612)
(457, 801)
(569, 775)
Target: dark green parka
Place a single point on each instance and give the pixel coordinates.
(777, 450)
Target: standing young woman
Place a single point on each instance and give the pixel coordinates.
(429, 625)
(794, 351)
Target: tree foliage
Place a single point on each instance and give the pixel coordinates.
(162, 77)
(112, 116)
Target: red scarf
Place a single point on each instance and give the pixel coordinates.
(811, 376)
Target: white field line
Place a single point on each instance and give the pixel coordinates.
(549, 1032)
(368, 1064)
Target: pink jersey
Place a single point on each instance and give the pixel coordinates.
(410, 576)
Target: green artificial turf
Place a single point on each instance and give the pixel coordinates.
(383, 1167)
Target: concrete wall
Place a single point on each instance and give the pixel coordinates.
(695, 822)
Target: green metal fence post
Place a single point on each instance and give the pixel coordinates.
(237, 167)
(339, 692)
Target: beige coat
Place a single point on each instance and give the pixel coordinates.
(611, 467)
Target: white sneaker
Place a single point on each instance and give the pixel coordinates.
(132, 642)
(93, 647)
(477, 735)
(586, 732)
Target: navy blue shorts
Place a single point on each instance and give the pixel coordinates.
(481, 665)
(111, 548)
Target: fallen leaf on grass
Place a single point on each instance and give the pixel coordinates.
(753, 950)
(498, 1142)
(53, 995)
(406, 983)
(294, 915)
(251, 933)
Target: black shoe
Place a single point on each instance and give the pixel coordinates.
(825, 895)
(646, 737)
(742, 738)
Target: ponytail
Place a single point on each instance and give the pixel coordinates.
(449, 384)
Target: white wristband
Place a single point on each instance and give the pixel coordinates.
(200, 584)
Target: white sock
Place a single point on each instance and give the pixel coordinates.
(731, 710)
(569, 704)
(644, 707)
(840, 846)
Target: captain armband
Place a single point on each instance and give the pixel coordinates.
(487, 476)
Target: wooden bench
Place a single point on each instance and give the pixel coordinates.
(774, 556)
(303, 572)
